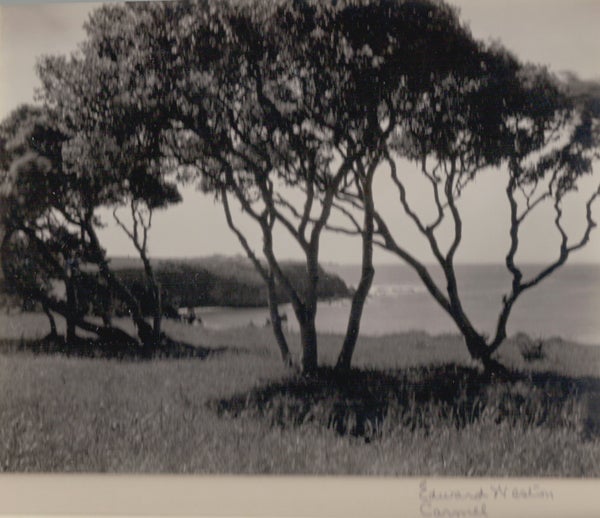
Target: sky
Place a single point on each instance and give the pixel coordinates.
(562, 34)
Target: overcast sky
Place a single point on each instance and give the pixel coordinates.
(562, 34)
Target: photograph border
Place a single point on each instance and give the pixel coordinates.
(290, 496)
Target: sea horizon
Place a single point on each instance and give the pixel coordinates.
(563, 305)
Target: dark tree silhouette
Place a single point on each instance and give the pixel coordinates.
(115, 141)
(286, 111)
(280, 107)
(516, 117)
(42, 244)
(291, 103)
(52, 187)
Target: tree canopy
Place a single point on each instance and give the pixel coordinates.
(287, 110)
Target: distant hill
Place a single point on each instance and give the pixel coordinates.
(218, 281)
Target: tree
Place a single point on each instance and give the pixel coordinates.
(116, 140)
(295, 100)
(43, 242)
(289, 109)
(514, 116)
(53, 184)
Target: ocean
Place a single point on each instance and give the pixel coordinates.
(566, 304)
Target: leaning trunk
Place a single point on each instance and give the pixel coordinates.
(156, 301)
(51, 320)
(479, 350)
(144, 330)
(366, 279)
(344, 360)
(276, 322)
(475, 343)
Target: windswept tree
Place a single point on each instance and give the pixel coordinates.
(32, 257)
(277, 107)
(518, 120)
(43, 247)
(116, 142)
(54, 184)
(297, 98)
(287, 110)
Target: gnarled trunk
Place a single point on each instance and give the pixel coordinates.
(479, 350)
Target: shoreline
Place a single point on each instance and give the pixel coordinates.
(34, 325)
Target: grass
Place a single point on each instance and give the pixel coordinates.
(414, 405)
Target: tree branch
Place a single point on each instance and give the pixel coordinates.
(565, 250)
(241, 238)
(455, 215)
(390, 244)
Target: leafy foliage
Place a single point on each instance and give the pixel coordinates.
(288, 109)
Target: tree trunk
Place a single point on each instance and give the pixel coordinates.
(156, 303)
(495, 368)
(157, 314)
(308, 330)
(308, 336)
(475, 343)
(344, 360)
(107, 310)
(51, 320)
(71, 316)
(479, 350)
(144, 330)
(276, 322)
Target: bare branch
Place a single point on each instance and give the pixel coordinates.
(565, 250)
(125, 229)
(310, 196)
(241, 238)
(342, 230)
(348, 214)
(267, 195)
(280, 200)
(329, 199)
(402, 191)
(240, 195)
(515, 223)
(147, 225)
(390, 244)
(134, 217)
(351, 199)
(455, 215)
(436, 195)
(532, 205)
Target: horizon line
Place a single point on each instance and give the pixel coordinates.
(340, 263)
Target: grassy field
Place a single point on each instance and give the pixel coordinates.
(414, 405)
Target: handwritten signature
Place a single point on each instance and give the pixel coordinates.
(473, 503)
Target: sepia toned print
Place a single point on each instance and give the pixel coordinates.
(297, 237)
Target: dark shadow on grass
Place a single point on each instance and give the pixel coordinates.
(371, 403)
(118, 350)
